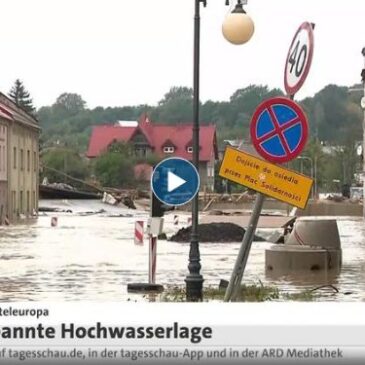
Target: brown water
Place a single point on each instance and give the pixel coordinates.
(94, 258)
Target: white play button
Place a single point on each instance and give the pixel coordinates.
(174, 181)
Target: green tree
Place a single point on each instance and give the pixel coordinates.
(21, 97)
(126, 149)
(73, 103)
(175, 107)
(115, 170)
(346, 160)
(151, 159)
(56, 161)
(69, 104)
(334, 115)
(66, 125)
(243, 104)
(314, 151)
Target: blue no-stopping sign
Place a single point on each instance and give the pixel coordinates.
(279, 129)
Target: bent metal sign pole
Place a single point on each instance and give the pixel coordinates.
(279, 131)
(267, 179)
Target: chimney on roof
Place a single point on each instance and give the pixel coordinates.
(144, 119)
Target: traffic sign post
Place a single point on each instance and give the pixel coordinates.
(299, 58)
(279, 131)
(268, 179)
(234, 285)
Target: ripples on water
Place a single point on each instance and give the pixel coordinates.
(94, 258)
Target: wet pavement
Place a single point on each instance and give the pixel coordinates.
(93, 257)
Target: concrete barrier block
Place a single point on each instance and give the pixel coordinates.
(310, 231)
(288, 259)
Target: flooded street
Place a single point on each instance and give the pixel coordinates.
(93, 257)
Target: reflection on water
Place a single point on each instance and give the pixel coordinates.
(94, 258)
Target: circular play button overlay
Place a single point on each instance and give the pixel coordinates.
(175, 181)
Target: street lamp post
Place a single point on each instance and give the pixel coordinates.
(237, 29)
(194, 280)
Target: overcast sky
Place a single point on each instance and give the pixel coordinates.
(128, 52)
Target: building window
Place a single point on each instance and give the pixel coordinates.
(169, 149)
(34, 161)
(190, 149)
(140, 152)
(28, 201)
(28, 160)
(1, 158)
(33, 200)
(21, 159)
(14, 157)
(13, 197)
(21, 201)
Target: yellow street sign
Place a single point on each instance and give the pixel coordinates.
(265, 177)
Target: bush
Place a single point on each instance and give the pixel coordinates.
(65, 161)
(115, 170)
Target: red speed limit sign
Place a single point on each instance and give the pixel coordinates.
(299, 59)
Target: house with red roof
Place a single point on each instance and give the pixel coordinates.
(162, 140)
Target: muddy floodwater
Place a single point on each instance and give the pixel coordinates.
(93, 257)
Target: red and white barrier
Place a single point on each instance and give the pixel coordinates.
(152, 260)
(176, 220)
(138, 233)
(54, 221)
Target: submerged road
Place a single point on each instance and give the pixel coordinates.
(93, 257)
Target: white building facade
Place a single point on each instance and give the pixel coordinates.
(19, 162)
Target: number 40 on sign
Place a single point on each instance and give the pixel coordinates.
(299, 58)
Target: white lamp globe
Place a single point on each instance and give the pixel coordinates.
(238, 27)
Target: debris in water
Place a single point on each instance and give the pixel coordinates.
(213, 232)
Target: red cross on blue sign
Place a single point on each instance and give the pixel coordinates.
(279, 129)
